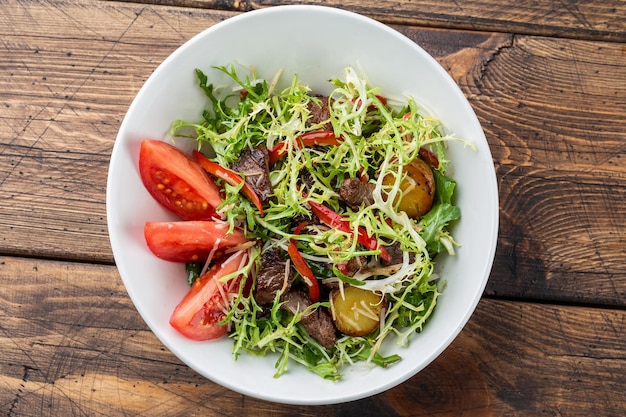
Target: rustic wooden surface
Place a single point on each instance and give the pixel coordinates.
(547, 80)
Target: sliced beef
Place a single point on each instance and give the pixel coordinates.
(271, 277)
(356, 192)
(254, 165)
(302, 218)
(319, 113)
(318, 323)
(352, 266)
(397, 255)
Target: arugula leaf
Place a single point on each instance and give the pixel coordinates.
(442, 213)
(439, 216)
(377, 358)
(193, 269)
(444, 188)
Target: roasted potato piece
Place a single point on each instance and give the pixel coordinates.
(418, 188)
(356, 312)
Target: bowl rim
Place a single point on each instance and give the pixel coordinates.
(237, 19)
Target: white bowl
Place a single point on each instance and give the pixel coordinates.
(317, 43)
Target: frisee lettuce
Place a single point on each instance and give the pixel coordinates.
(377, 141)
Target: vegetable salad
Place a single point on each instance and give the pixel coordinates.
(336, 226)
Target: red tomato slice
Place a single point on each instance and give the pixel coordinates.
(199, 313)
(190, 241)
(177, 182)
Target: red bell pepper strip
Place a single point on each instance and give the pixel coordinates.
(302, 267)
(429, 157)
(363, 175)
(381, 98)
(230, 177)
(333, 219)
(319, 137)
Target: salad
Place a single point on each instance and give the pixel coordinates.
(308, 224)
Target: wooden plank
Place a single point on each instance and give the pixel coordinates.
(72, 344)
(552, 110)
(553, 113)
(70, 71)
(586, 19)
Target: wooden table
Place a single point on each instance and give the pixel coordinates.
(548, 82)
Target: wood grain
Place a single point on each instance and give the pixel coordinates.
(546, 79)
(552, 110)
(587, 19)
(73, 344)
(64, 96)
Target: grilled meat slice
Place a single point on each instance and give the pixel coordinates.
(272, 277)
(352, 265)
(253, 164)
(356, 192)
(319, 113)
(397, 255)
(318, 323)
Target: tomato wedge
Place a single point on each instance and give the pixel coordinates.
(190, 241)
(200, 312)
(230, 176)
(177, 182)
